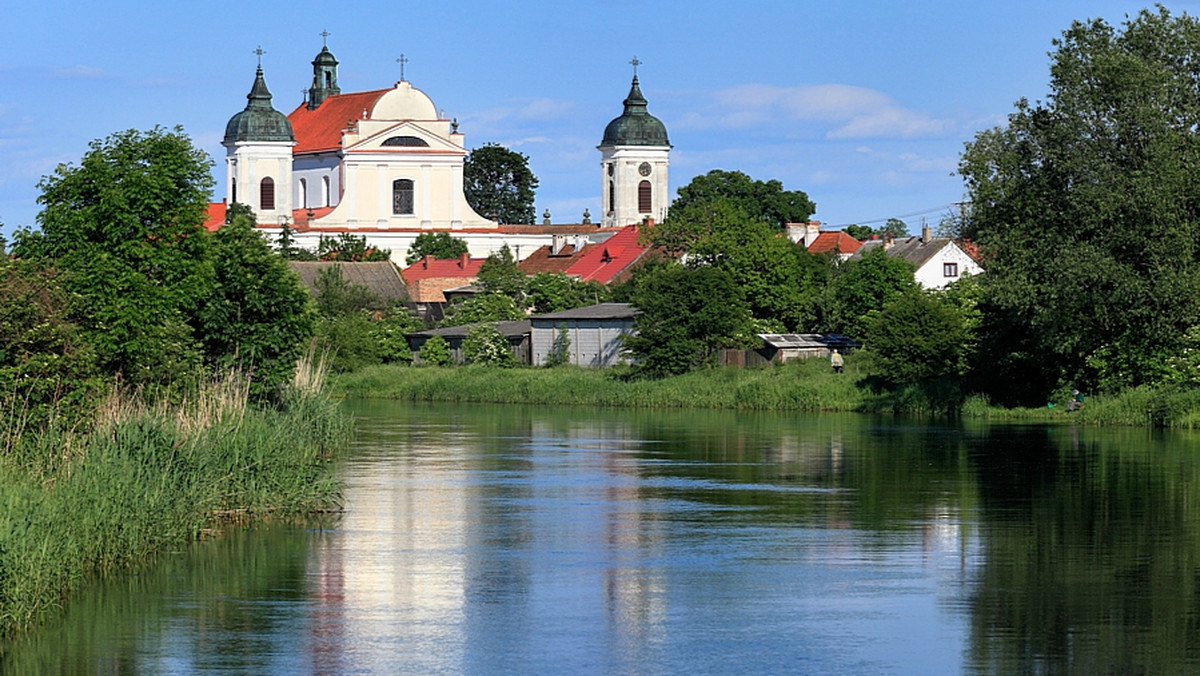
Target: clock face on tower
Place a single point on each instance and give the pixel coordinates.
(644, 169)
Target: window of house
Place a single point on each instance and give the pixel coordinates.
(949, 269)
(645, 202)
(266, 194)
(402, 197)
(303, 193)
(325, 190)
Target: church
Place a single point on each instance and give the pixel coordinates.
(385, 164)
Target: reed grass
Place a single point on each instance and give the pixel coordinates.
(806, 385)
(149, 477)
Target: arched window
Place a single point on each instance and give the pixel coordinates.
(303, 193)
(325, 190)
(406, 141)
(645, 201)
(266, 194)
(402, 197)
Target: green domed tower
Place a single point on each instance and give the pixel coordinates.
(635, 154)
(258, 156)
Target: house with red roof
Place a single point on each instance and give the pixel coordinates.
(818, 241)
(429, 277)
(605, 262)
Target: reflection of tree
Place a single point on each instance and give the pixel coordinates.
(1093, 559)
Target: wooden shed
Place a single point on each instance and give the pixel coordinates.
(517, 334)
(594, 333)
(781, 347)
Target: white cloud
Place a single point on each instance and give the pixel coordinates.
(835, 111)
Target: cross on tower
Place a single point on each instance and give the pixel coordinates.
(325, 38)
(635, 64)
(402, 61)
(260, 51)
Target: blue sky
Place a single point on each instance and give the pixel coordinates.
(864, 105)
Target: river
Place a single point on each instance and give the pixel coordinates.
(514, 540)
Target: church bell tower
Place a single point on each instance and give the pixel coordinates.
(634, 160)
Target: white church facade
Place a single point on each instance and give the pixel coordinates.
(386, 165)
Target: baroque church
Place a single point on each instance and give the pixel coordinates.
(387, 165)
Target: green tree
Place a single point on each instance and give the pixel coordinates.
(258, 317)
(555, 292)
(437, 244)
(500, 274)
(916, 337)
(499, 185)
(483, 307)
(560, 349)
(352, 248)
(765, 201)
(779, 279)
(485, 345)
(894, 227)
(687, 314)
(1086, 208)
(126, 228)
(337, 296)
(435, 351)
(862, 285)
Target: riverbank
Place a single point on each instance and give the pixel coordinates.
(146, 479)
(806, 385)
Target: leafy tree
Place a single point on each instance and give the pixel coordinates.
(894, 227)
(500, 274)
(555, 292)
(125, 227)
(483, 307)
(499, 184)
(441, 245)
(862, 285)
(350, 340)
(860, 232)
(560, 349)
(778, 279)
(485, 345)
(389, 333)
(1087, 206)
(687, 314)
(435, 351)
(348, 247)
(916, 337)
(762, 201)
(337, 296)
(259, 316)
(47, 370)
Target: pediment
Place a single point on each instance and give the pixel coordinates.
(404, 137)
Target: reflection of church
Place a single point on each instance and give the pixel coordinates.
(387, 164)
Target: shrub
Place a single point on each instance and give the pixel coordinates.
(435, 352)
(485, 345)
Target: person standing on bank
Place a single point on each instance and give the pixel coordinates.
(835, 360)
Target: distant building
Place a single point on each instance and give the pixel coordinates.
(593, 333)
(380, 278)
(429, 277)
(517, 334)
(940, 261)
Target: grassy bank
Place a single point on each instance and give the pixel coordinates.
(149, 478)
(807, 385)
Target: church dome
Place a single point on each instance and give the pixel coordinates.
(259, 121)
(404, 102)
(635, 127)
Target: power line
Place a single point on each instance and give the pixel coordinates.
(931, 210)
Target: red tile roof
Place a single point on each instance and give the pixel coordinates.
(836, 241)
(604, 262)
(429, 267)
(541, 260)
(321, 129)
(216, 216)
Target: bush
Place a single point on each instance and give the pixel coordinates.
(485, 345)
(435, 352)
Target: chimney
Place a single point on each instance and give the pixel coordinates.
(926, 234)
(888, 240)
(463, 260)
(795, 232)
(557, 242)
(812, 230)
(426, 261)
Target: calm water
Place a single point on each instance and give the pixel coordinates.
(485, 540)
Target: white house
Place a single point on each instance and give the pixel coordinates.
(939, 260)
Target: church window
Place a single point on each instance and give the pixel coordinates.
(266, 194)
(612, 196)
(325, 189)
(645, 201)
(402, 197)
(406, 141)
(303, 193)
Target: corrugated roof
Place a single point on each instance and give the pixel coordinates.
(601, 311)
(508, 329)
(807, 340)
(381, 278)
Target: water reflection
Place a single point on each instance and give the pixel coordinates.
(508, 540)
